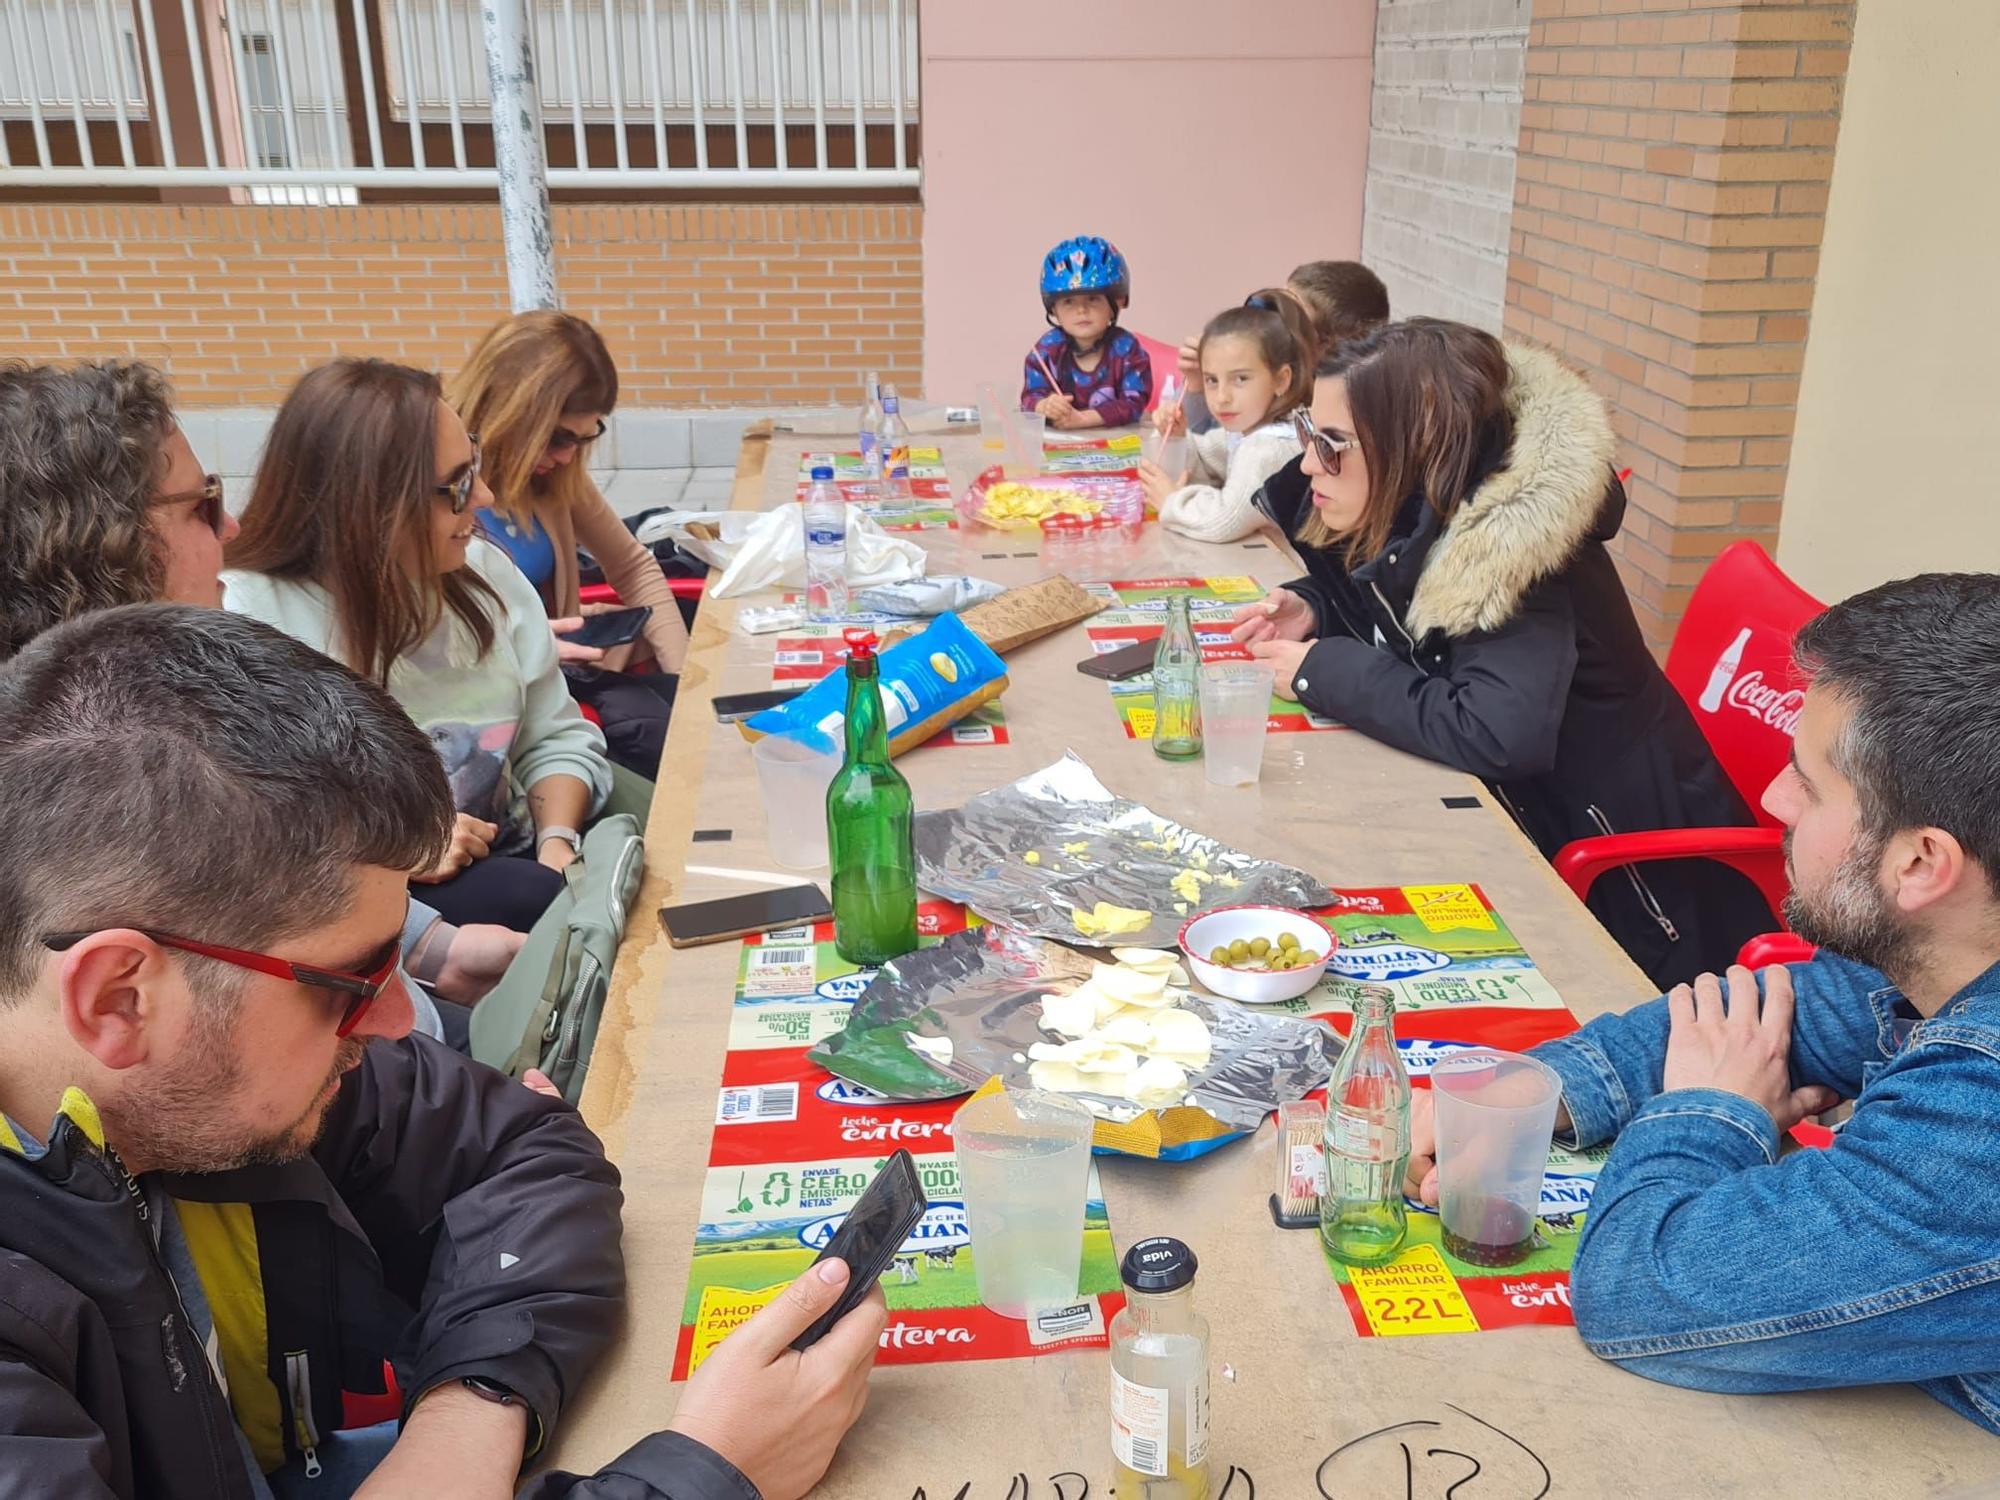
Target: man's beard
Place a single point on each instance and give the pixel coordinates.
(181, 1123)
(1852, 916)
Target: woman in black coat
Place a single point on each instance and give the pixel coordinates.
(1452, 506)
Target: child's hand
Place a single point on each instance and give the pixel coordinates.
(1157, 483)
(1190, 358)
(1169, 421)
(1055, 407)
(1072, 419)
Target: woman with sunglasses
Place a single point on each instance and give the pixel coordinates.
(359, 540)
(1461, 605)
(537, 390)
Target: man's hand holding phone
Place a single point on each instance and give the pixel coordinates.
(778, 1414)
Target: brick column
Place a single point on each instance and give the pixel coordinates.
(1669, 197)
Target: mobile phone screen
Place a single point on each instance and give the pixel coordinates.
(870, 1236)
(738, 916)
(730, 707)
(612, 628)
(1126, 661)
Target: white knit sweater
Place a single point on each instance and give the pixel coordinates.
(1216, 506)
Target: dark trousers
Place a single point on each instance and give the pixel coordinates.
(510, 890)
(634, 708)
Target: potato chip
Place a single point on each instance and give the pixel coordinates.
(1158, 1083)
(1106, 920)
(1143, 958)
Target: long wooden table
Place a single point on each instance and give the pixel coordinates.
(1292, 1382)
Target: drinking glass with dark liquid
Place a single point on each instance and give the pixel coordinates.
(1495, 1114)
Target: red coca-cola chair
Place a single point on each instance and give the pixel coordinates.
(1732, 660)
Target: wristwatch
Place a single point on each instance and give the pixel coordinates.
(557, 831)
(490, 1390)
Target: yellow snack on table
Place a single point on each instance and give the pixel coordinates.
(1187, 885)
(1106, 920)
(1013, 506)
(1032, 857)
(1076, 848)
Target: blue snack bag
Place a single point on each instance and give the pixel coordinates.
(929, 682)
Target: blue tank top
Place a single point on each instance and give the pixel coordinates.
(533, 553)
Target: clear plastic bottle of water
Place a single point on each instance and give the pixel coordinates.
(895, 452)
(871, 433)
(826, 547)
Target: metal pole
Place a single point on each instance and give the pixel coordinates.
(518, 154)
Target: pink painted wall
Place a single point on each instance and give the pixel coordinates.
(1181, 130)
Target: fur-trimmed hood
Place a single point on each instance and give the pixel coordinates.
(1525, 521)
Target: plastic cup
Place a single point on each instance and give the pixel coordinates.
(1167, 454)
(1024, 1170)
(793, 775)
(1496, 1112)
(992, 418)
(1024, 433)
(1235, 712)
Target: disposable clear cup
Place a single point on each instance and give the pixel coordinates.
(1024, 1171)
(1235, 712)
(793, 774)
(1167, 454)
(992, 418)
(1025, 432)
(1496, 1112)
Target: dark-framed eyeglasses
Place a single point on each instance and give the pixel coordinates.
(360, 990)
(208, 502)
(1325, 446)
(459, 490)
(562, 440)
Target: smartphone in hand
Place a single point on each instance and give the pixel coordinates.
(869, 1237)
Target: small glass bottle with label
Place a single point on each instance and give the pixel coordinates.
(1361, 1217)
(1159, 1378)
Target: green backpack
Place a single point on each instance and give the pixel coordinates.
(545, 1010)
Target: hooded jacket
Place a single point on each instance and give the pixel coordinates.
(1501, 642)
(448, 1218)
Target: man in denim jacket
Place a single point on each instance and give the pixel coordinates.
(1707, 1260)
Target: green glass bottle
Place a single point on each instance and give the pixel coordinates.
(870, 831)
(1177, 686)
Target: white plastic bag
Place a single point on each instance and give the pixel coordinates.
(772, 554)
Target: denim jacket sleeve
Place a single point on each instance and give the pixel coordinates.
(1708, 1262)
(1612, 1067)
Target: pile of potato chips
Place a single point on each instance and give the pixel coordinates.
(1014, 506)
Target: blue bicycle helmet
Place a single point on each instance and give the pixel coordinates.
(1086, 263)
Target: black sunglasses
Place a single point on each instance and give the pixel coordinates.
(208, 502)
(1327, 447)
(562, 439)
(459, 490)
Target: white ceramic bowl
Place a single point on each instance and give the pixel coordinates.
(1219, 928)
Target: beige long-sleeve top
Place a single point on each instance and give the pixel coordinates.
(1217, 506)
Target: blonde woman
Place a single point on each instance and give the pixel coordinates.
(538, 390)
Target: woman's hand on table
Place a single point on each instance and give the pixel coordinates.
(571, 653)
(1157, 483)
(1280, 615)
(774, 1412)
(471, 838)
(1285, 657)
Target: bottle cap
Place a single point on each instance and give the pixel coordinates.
(1159, 1264)
(822, 471)
(861, 643)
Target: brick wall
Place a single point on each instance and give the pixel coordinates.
(1443, 127)
(736, 305)
(1670, 196)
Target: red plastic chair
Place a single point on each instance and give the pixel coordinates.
(1732, 660)
(1165, 359)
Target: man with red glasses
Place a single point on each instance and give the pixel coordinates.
(103, 502)
(232, 1183)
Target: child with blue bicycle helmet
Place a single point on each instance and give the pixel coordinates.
(1086, 371)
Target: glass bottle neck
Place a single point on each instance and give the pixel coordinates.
(1161, 1312)
(866, 738)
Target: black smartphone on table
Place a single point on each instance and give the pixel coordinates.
(615, 627)
(869, 1237)
(702, 922)
(1125, 662)
(730, 707)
